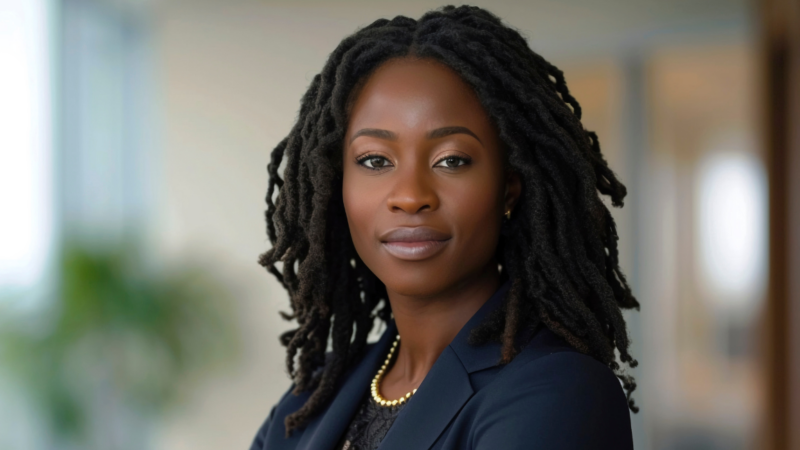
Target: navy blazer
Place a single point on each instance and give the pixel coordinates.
(549, 397)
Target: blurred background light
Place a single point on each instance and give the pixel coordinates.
(25, 141)
(731, 213)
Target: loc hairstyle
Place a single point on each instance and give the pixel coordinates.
(559, 249)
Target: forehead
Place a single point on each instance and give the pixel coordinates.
(416, 94)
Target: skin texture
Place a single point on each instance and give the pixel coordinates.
(407, 167)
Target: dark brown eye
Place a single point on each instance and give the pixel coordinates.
(451, 162)
(374, 162)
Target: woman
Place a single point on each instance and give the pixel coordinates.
(439, 179)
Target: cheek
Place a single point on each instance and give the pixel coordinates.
(476, 211)
(361, 206)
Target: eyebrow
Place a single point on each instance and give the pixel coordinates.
(433, 134)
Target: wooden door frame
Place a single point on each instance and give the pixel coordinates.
(780, 40)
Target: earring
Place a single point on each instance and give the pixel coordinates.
(508, 214)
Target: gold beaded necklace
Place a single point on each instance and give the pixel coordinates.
(375, 388)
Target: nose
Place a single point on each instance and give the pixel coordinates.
(413, 192)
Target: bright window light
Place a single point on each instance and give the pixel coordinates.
(25, 142)
(732, 219)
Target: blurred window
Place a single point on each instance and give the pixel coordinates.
(731, 215)
(25, 142)
(26, 203)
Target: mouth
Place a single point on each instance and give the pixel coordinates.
(414, 243)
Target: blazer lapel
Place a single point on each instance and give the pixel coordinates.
(445, 388)
(324, 432)
(441, 395)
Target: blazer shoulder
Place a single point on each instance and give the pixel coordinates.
(572, 375)
(562, 399)
(550, 361)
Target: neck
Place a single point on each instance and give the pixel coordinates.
(428, 324)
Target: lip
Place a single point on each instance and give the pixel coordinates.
(414, 243)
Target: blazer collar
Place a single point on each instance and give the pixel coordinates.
(441, 395)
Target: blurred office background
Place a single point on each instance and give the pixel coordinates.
(134, 138)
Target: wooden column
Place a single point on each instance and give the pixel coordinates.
(780, 39)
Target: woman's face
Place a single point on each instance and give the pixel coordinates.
(424, 183)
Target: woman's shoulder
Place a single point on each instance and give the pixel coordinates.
(550, 367)
(552, 392)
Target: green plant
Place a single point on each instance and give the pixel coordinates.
(120, 330)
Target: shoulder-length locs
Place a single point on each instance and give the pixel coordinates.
(559, 249)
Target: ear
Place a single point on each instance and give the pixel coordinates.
(513, 190)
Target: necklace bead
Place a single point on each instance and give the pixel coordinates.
(375, 387)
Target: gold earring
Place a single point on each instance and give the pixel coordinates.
(508, 214)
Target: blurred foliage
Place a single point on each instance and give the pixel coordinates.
(121, 330)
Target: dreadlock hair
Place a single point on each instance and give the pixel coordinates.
(559, 250)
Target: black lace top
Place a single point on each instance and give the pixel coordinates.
(369, 425)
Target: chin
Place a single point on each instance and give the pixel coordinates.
(421, 281)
